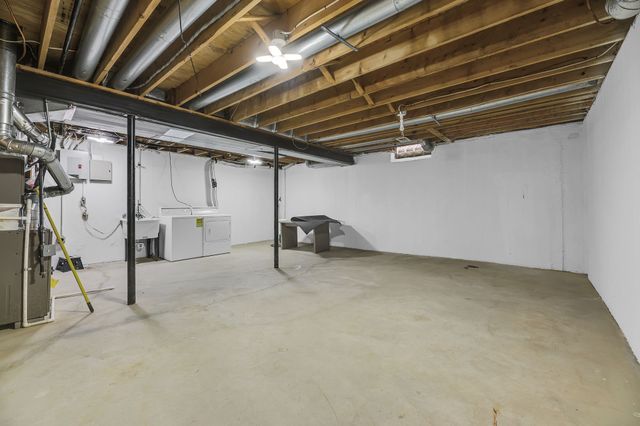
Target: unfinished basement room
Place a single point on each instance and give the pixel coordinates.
(320, 212)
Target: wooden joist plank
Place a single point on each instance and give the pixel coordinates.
(203, 41)
(135, 17)
(46, 29)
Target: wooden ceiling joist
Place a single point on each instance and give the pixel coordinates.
(46, 29)
(129, 27)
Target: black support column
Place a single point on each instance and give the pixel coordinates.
(131, 209)
(276, 224)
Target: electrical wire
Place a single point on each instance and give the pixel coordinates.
(15, 21)
(173, 189)
(104, 235)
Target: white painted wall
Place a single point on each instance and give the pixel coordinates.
(245, 193)
(513, 198)
(613, 189)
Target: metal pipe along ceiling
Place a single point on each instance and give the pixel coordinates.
(165, 33)
(460, 112)
(101, 23)
(345, 27)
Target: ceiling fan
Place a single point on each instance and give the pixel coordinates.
(277, 57)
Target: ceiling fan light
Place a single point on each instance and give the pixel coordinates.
(281, 62)
(275, 50)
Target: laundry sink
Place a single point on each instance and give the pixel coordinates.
(146, 228)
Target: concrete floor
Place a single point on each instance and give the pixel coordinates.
(350, 337)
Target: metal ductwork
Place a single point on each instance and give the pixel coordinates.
(623, 9)
(25, 125)
(460, 112)
(165, 33)
(344, 27)
(98, 29)
(8, 143)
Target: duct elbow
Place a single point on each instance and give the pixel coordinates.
(622, 9)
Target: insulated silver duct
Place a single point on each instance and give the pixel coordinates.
(7, 98)
(165, 33)
(25, 125)
(345, 27)
(101, 23)
(622, 9)
(460, 112)
(8, 59)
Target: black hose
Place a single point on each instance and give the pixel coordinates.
(67, 38)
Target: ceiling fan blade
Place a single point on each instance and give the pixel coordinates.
(274, 50)
(265, 58)
(292, 56)
(281, 62)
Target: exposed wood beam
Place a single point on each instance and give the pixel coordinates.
(135, 17)
(256, 18)
(362, 92)
(260, 33)
(327, 74)
(438, 134)
(243, 55)
(418, 13)
(203, 40)
(48, 22)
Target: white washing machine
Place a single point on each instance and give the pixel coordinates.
(189, 233)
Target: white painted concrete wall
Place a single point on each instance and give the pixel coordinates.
(513, 198)
(613, 190)
(245, 193)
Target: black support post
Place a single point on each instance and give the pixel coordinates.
(131, 209)
(276, 224)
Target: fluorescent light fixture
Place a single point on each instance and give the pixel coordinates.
(101, 139)
(254, 161)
